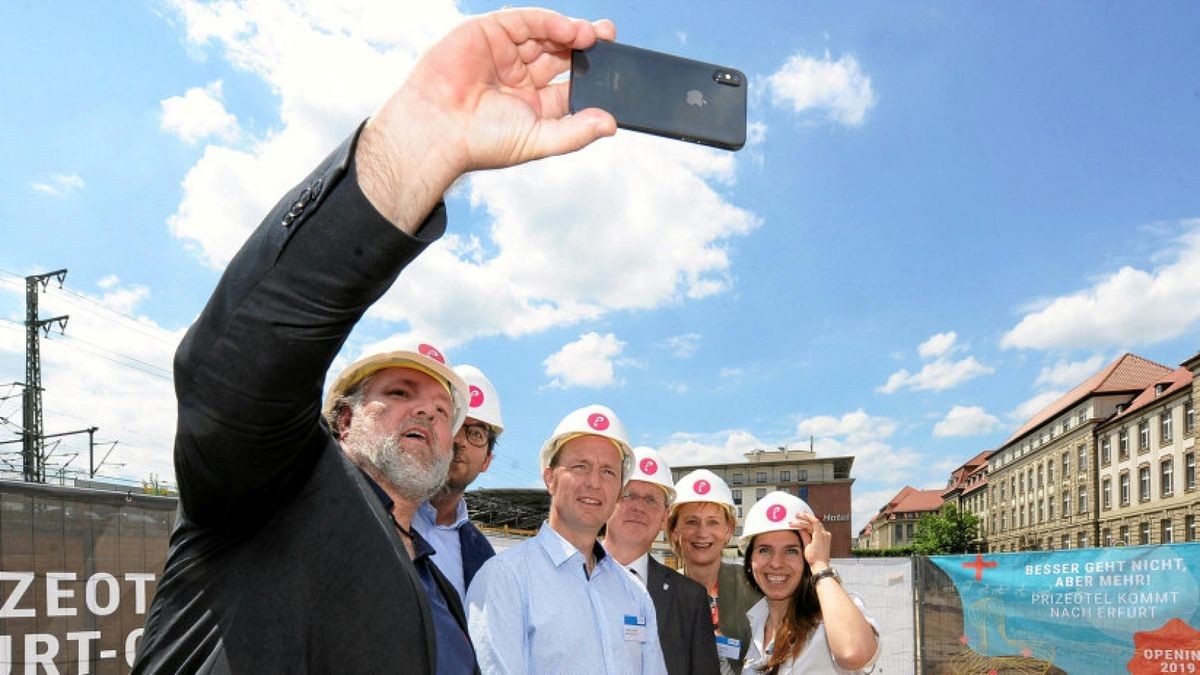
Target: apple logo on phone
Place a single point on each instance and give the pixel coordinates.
(696, 97)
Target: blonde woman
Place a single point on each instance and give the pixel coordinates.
(699, 527)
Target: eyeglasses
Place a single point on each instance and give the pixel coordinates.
(648, 501)
(477, 434)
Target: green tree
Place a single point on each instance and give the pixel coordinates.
(944, 532)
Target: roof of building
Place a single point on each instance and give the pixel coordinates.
(912, 500)
(1180, 378)
(961, 478)
(1128, 373)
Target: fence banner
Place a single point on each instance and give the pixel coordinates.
(1095, 610)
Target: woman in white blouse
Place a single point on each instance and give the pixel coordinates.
(806, 623)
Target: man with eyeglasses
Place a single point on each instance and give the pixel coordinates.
(558, 603)
(442, 521)
(680, 604)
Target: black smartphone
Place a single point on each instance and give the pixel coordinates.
(661, 94)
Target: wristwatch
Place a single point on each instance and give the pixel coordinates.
(827, 573)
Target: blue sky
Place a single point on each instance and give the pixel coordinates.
(948, 214)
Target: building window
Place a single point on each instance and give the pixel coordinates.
(1021, 483)
(1106, 493)
(1124, 488)
(1164, 427)
(1040, 468)
(1003, 521)
(738, 479)
(1143, 436)
(1050, 508)
(1189, 417)
(1106, 450)
(1022, 513)
(1166, 531)
(1083, 540)
(1189, 471)
(803, 475)
(1189, 528)
(1144, 484)
(1050, 472)
(1066, 541)
(1082, 500)
(1144, 534)
(785, 476)
(908, 531)
(1124, 535)
(1083, 415)
(1166, 476)
(1123, 444)
(760, 477)
(1066, 464)
(1106, 536)
(759, 493)
(1002, 497)
(1083, 458)
(1066, 502)
(737, 496)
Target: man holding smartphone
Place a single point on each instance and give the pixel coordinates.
(284, 559)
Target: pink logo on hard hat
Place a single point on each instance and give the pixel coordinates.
(776, 513)
(648, 466)
(432, 352)
(476, 396)
(701, 487)
(598, 421)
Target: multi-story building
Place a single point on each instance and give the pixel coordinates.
(967, 490)
(895, 524)
(823, 482)
(1049, 483)
(1147, 472)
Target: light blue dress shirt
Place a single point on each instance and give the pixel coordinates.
(533, 609)
(445, 541)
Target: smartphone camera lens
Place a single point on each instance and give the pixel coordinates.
(728, 78)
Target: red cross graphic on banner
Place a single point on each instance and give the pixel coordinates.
(978, 565)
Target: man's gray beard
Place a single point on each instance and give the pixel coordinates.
(413, 479)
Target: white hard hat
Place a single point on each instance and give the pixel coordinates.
(703, 485)
(416, 354)
(590, 420)
(773, 512)
(648, 466)
(483, 401)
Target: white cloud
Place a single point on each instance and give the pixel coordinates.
(731, 373)
(198, 114)
(587, 362)
(60, 185)
(1066, 375)
(683, 346)
(647, 214)
(938, 345)
(1128, 307)
(937, 376)
(692, 449)
(966, 421)
(111, 370)
(1030, 407)
(837, 90)
(867, 438)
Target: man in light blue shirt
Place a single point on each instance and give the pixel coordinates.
(557, 603)
(461, 549)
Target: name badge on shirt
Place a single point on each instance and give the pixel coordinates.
(729, 648)
(635, 628)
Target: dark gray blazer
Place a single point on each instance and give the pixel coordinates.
(283, 559)
(735, 596)
(684, 622)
